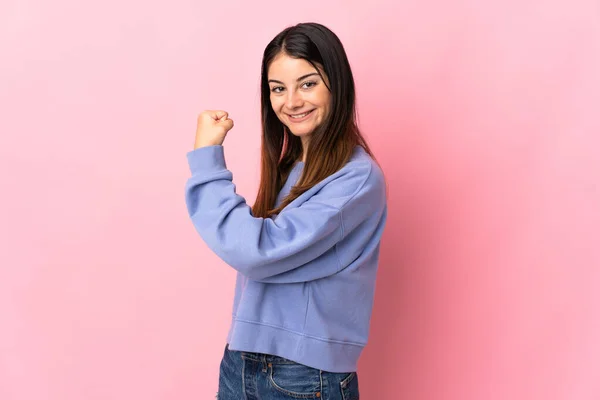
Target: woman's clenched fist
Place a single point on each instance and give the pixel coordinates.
(212, 128)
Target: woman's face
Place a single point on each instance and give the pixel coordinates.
(299, 96)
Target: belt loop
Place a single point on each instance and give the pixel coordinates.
(264, 361)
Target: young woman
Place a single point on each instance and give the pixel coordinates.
(307, 251)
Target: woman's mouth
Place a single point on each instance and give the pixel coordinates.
(300, 117)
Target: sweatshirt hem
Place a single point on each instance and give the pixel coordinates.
(324, 354)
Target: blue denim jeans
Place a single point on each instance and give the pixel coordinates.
(254, 376)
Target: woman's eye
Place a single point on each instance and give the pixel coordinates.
(276, 89)
(309, 84)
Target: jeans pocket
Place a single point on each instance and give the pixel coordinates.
(295, 380)
(349, 387)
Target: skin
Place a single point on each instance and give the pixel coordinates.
(296, 87)
(212, 128)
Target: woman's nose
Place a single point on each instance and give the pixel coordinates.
(294, 100)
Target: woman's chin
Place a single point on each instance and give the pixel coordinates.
(299, 132)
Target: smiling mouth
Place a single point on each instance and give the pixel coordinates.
(299, 116)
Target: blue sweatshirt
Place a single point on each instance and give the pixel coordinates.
(306, 277)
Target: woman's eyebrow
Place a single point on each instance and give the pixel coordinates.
(297, 80)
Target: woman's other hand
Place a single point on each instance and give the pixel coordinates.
(212, 128)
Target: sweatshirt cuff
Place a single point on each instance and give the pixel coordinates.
(207, 159)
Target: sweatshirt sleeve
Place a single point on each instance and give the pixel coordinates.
(265, 248)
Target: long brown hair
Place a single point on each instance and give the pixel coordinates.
(331, 144)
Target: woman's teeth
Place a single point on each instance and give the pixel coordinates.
(300, 115)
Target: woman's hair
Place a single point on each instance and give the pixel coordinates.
(332, 143)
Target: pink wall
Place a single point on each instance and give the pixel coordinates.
(485, 116)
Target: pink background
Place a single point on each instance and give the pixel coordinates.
(484, 115)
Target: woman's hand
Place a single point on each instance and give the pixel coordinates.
(212, 128)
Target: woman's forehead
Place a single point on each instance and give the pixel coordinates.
(284, 67)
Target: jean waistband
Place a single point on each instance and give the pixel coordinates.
(265, 358)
